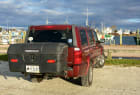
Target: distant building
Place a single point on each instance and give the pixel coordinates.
(127, 32)
(108, 30)
(120, 31)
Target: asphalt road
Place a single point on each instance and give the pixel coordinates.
(110, 80)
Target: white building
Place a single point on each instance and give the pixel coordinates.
(126, 32)
(120, 32)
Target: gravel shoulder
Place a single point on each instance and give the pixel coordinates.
(110, 80)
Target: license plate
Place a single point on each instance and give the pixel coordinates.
(32, 69)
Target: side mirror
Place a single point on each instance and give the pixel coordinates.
(30, 39)
(101, 41)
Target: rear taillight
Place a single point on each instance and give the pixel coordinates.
(77, 56)
(51, 61)
(14, 60)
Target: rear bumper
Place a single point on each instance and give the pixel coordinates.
(43, 68)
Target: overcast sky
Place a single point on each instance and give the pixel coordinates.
(122, 13)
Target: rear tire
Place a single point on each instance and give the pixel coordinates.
(87, 80)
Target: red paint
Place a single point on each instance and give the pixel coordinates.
(77, 56)
(51, 27)
(76, 70)
(88, 64)
(70, 73)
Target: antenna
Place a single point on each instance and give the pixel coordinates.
(47, 21)
(102, 27)
(66, 21)
(8, 25)
(87, 18)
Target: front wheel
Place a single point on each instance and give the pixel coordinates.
(87, 80)
(100, 62)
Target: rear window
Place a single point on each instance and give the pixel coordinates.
(51, 35)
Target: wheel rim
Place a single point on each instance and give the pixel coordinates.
(102, 61)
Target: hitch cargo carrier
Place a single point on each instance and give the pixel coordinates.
(38, 57)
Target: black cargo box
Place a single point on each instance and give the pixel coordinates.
(37, 54)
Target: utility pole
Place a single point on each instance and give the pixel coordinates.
(10, 33)
(87, 18)
(102, 27)
(7, 25)
(120, 36)
(66, 21)
(47, 22)
(138, 37)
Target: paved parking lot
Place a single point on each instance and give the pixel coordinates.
(110, 80)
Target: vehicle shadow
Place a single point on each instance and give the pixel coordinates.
(5, 72)
(73, 81)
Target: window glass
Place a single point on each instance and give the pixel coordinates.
(51, 35)
(90, 37)
(95, 36)
(83, 37)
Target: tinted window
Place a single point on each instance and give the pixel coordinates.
(90, 37)
(51, 35)
(95, 36)
(83, 37)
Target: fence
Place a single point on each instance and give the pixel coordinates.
(110, 42)
(122, 50)
(126, 40)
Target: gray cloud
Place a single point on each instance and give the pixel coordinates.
(122, 13)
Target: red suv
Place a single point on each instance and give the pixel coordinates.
(49, 51)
